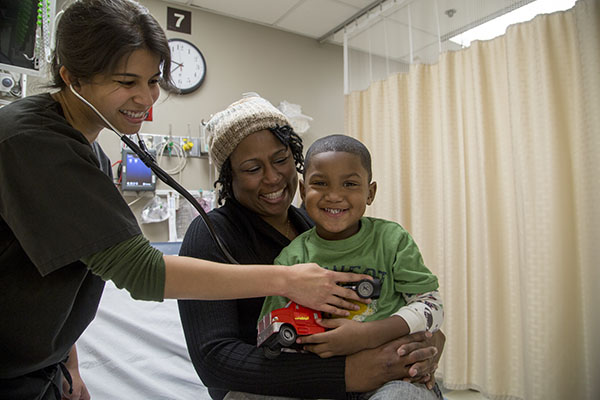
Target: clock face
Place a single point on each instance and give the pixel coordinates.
(188, 67)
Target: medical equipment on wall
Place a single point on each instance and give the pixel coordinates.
(27, 28)
(7, 82)
(148, 159)
(135, 175)
(155, 211)
(12, 86)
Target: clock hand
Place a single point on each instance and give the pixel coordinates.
(179, 65)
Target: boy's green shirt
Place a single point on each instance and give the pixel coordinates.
(382, 249)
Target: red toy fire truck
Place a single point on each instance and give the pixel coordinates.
(280, 328)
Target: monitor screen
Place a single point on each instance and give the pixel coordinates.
(18, 22)
(135, 175)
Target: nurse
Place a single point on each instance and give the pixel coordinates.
(64, 227)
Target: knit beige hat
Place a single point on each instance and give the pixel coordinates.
(227, 128)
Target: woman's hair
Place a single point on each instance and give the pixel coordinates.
(94, 35)
(286, 135)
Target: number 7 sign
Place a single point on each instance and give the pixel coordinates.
(179, 20)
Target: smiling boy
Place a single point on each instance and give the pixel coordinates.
(336, 188)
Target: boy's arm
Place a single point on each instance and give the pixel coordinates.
(345, 337)
(423, 312)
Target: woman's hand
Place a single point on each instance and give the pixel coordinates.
(80, 391)
(315, 287)
(369, 369)
(424, 371)
(344, 337)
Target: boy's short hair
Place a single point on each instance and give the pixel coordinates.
(342, 143)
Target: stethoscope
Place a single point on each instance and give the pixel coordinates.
(147, 158)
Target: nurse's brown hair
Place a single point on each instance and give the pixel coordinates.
(94, 35)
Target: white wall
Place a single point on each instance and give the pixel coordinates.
(243, 57)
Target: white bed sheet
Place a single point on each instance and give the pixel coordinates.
(136, 350)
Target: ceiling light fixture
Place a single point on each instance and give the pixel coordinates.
(497, 26)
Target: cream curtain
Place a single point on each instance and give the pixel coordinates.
(491, 159)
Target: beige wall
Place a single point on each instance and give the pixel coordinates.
(243, 57)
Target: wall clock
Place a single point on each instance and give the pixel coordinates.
(188, 67)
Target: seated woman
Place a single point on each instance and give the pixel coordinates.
(258, 156)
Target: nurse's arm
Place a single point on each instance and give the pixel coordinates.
(149, 275)
(306, 284)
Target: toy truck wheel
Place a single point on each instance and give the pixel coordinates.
(365, 289)
(287, 335)
(270, 353)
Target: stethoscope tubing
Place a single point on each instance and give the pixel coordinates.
(147, 158)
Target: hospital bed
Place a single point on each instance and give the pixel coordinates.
(136, 349)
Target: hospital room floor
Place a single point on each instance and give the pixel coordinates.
(462, 395)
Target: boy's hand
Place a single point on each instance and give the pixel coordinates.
(345, 337)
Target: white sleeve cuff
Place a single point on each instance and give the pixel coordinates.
(415, 322)
(422, 312)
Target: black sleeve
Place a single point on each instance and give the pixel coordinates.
(55, 198)
(221, 340)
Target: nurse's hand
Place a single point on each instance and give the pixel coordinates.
(317, 288)
(80, 391)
